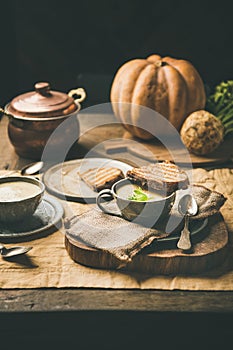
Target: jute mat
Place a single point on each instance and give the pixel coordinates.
(48, 264)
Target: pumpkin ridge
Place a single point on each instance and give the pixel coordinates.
(192, 80)
(126, 92)
(115, 93)
(177, 95)
(143, 83)
(169, 62)
(146, 78)
(161, 101)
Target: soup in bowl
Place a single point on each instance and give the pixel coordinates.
(19, 197)
(135, 204)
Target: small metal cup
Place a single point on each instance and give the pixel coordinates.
(144, 212)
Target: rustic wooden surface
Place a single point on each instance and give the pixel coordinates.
(221, 155)
(131, 148)
(44, 300)
(208, 253)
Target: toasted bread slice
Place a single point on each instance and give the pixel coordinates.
(101, 178)
(164, 177)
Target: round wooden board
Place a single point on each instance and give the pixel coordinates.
(206, 254)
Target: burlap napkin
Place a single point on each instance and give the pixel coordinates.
(125, 239)
(209, 202)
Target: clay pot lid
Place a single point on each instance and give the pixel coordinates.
(42, 100)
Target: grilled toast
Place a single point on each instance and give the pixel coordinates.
(164, 177)
(100, 178)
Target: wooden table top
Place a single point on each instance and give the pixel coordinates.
(30, 300)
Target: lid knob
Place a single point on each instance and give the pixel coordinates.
(43, 88)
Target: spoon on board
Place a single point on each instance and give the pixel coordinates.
(187, 207)
(8, 252)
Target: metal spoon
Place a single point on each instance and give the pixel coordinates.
(29, 169)
(32, 169)
(187, 207)
(8, 252)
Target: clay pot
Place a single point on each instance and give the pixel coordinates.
(33, 117)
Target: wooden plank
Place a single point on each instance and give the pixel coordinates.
(34, 300)
(155, 148)
(150, 150)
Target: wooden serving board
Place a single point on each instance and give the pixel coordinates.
(221, 155)
(208, 253)
(95, 139)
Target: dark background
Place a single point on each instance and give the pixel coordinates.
(83, 43)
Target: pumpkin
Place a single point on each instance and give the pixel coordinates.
(171, 87)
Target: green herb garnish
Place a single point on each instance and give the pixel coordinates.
(139, 196)
(220, 103)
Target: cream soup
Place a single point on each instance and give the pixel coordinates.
(126, 191)
(17, 191)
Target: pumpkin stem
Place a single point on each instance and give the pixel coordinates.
(160, 63)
